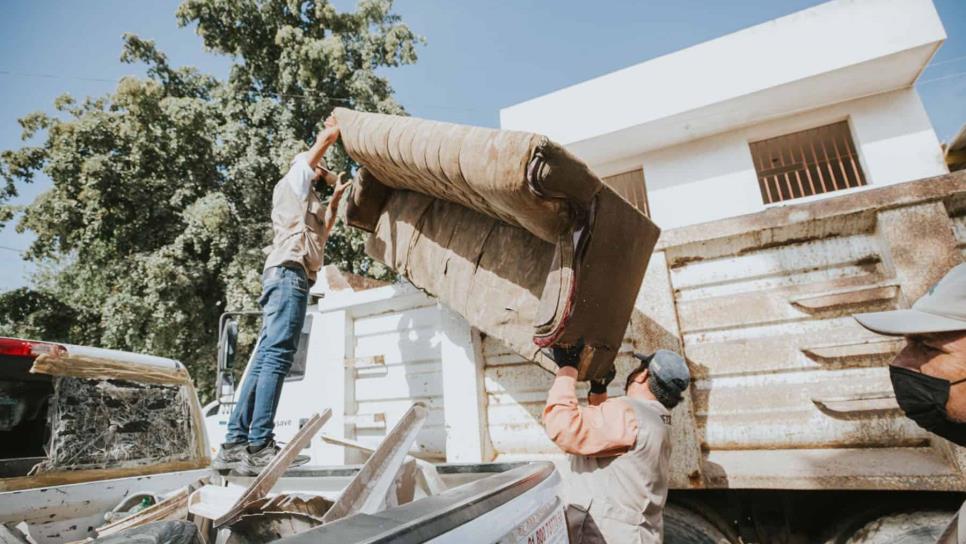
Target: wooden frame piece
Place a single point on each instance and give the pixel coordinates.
(366, 493)
(270, 475)
(434, 484)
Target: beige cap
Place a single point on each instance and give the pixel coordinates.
(942, 309)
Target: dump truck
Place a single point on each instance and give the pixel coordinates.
(790, 431)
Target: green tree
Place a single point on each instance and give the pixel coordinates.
(161, 190)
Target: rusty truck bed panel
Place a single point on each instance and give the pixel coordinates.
(789, 391)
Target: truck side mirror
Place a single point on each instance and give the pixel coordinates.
(227, 344)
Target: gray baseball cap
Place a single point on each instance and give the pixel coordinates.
(670, 372)
(942, 309)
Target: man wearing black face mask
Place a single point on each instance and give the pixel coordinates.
(929, 374)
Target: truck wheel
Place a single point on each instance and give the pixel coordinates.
(682, 526)
(159, 532)
(903, 528)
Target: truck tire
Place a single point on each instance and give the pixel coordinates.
(902, 528)
(159, 532)
(682, 526)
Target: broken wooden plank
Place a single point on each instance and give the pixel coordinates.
(310, 505)
(175, 531)
(355, 444)
(213, 502)
(366, 493)
(403, 488)
(271, 473)
(204, 529)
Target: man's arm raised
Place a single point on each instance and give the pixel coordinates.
(325, 138)
(607, 429)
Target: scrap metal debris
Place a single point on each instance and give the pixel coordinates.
(268, 519)
(174, 507)
(158, 532)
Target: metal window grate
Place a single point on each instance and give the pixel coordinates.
(631, 186)
(806, 163)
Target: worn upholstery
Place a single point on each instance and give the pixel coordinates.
(506, 228)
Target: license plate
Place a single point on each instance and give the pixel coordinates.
(553, 530)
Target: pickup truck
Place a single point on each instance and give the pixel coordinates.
(89, 435)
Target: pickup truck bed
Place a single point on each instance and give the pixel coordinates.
(506, 502)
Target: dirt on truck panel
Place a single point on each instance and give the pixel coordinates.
(790, 392)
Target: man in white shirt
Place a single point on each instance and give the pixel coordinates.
(301, 225)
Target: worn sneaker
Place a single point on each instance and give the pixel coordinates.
(253, 462)
(229, 456)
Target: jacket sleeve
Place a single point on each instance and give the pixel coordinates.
(299, 176)
(609, 428)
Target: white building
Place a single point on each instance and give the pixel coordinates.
(799, 107)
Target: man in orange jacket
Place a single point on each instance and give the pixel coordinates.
(619, 448)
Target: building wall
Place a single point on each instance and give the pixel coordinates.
(829, 53)
(714, 177)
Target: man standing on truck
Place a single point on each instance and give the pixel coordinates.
(301, 225)
(619, 448)
(929, 374)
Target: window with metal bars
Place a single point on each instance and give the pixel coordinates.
(630, 185)
(806, 163)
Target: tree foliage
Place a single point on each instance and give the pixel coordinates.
(161, 190)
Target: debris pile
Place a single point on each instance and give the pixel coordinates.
(115, 424)
(252, 514)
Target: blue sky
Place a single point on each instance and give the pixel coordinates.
(480, 56)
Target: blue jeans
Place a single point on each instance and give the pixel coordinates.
(285, 295)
